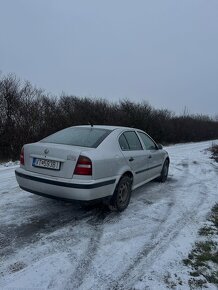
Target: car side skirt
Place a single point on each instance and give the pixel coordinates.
(144, 182)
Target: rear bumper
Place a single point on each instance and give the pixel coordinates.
(54, 187)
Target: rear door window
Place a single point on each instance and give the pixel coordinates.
(130, 141)
(123, 143)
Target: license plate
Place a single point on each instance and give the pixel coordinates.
(50, 164)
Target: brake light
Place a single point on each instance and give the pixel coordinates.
(22, 156)
(83, 166)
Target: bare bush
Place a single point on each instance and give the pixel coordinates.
(28, 114)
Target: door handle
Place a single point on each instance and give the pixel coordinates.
(131, 159)
(149, 156)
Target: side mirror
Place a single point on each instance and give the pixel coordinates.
(159, 146)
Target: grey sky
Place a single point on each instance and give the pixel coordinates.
(161, 51)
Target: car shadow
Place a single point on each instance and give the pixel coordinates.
(14, 236)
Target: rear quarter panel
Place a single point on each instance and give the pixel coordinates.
(108, 160)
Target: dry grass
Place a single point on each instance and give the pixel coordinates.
(214, 151)
(203, 259)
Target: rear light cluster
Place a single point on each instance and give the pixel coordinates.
(22, 156)
(83, 166)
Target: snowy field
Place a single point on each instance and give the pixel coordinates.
(47, 244)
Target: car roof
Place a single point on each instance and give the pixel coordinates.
(107, 127)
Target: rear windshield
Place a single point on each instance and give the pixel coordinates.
(84, 137)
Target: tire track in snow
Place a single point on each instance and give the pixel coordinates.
(169, 186)
(8, 181)
(152, 250)
(103, 279)
(85, 264)
(14, 237)
(157, 245)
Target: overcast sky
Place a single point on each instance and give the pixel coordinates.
(161, 51)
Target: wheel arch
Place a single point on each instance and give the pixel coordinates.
(168, 159)
(112, 202)
(125, 173)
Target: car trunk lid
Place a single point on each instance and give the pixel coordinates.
(60, 158)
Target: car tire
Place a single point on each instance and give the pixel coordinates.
(121, 197)
(164, 172)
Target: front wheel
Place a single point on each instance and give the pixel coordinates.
(164, 172)
(121, 197)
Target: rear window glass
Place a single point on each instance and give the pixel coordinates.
(84, 137)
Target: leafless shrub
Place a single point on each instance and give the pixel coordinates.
(28, 114)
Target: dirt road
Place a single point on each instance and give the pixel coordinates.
(55, 245)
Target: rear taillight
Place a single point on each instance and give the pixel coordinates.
(83, 166)
(22, 156)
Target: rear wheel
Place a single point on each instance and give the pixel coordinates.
(121, 197)
(164, 172)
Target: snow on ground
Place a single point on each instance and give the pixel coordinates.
(9, 164)
(47, 244)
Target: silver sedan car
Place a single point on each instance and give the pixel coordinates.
(88, 163)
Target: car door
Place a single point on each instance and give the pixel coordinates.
(132, 150)
(154, 154)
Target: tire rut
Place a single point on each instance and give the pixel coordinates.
(157, 244)
(106, 280)
(18, 236)
(154, 248)
(85, 264)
